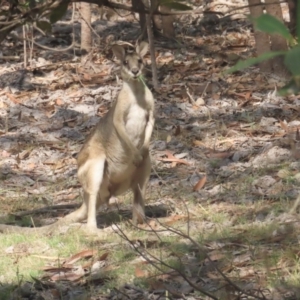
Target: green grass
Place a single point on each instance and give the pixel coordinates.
(227, 224)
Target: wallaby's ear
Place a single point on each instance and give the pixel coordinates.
(119, 52)
(142, 49)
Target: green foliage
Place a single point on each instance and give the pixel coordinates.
(292, 60)
(25, 221)
(242, 64)
(298, 22)
(271, 25)
(177, 5)
(291, 88)
(44, 25)
(58, 12)
(22, 12)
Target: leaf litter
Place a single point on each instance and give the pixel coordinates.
(225, 148)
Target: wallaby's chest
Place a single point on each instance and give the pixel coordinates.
(135, 121)
(139, 103)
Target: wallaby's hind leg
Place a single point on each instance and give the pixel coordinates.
(90, 175)
(80, 214)
(139, 189)
(103, 194)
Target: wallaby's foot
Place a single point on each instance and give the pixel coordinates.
(92, 231)
(138, 215)
(91, 225)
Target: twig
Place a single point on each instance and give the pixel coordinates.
(30, 44)
(187, 236)
(49, 48)
(24, 46)
(180, 233)
(295, 206)
(187, 90)
(122, 293)
(45, 209)
(73, 27)
(8, 57)
(121, 233)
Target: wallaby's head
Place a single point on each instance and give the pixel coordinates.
(131, 60)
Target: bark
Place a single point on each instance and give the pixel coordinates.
(277, 41)
(156, 19)
(167, 23)
(293, 15)
(262, 40)
(138, 4)
(152, 51)
(86, 31)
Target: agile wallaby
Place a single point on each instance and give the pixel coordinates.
(115, 156)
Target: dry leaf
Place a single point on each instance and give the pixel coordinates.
(83, 254)
(87, 77)
(200, 184)
(12, 98)
(198, 143)
(31, 166)
(177, 160)
(173, 159)
(297, 135)
(56, 269)
(59, 102)
(172, 219)
(215, 255)
(140, 273)
(103, 256)
(283, 125)
(177, 130)
(219, 154)
(70, 276)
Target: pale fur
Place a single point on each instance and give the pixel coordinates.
(115, 156)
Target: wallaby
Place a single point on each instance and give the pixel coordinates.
(115, 156)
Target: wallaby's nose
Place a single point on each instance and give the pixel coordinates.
(135, 71)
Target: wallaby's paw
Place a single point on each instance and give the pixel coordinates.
(144, 152)
(137, 159)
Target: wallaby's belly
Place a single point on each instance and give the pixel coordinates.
(120, 177)
(120, 170)
(135, 124)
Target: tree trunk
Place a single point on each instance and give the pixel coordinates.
(167, 23)
(262, 40)
(142, 17)
(293, 15)
(278, 43)
(156, 19)
(86, 32)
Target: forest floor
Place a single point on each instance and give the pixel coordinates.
(223, 221)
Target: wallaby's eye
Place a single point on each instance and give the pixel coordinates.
(140, 61)
(125, 62)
